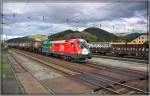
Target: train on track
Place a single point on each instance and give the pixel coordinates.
(71, 49)
(122, 49)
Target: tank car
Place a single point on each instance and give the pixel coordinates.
(37, 46)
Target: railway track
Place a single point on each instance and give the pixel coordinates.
(139, 74)
(98, 77)
(28, 74)
(138, 60)
(81, 79)
(99, 81)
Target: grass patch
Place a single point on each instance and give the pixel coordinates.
(7, 72)
(5, 68)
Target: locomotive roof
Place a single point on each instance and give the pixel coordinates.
(69, 40)
(63, 41)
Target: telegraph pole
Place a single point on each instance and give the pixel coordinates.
(100, 26)
(14, 15)
(5, 40)
(133, 28)
(113, 28)
(43, 18)
(6, 36)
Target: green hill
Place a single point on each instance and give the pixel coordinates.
(91, 34)
(36, 37)
(102, 35)
(130, 36)
(70, 34)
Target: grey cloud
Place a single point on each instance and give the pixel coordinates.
(61, 13)
(73, 15)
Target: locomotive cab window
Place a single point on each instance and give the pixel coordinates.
(83, 44)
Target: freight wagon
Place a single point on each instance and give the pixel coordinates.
(122, 49)
(130, 49)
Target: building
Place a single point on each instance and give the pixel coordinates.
(141, 39)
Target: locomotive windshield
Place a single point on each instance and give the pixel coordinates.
(83, 44)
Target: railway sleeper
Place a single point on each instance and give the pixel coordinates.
(142, 78)
(122, 81)
(99, 83)
(111, 86)
(95, 90)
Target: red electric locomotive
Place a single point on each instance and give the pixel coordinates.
(73, 49)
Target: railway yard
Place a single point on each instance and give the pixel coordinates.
(74, 48)
(103, 75)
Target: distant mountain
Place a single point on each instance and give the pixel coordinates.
(102, 35)
(91, 34)
(130, 36)
(122, 34)
(36, 37)
(70, 34)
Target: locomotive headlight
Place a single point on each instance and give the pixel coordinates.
(85, 51)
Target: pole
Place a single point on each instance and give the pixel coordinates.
(43, 18)
(100, 26)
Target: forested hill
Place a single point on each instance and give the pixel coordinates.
(91, 34)
(37, 37)
(102, 35)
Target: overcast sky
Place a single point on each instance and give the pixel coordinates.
(21, 19)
